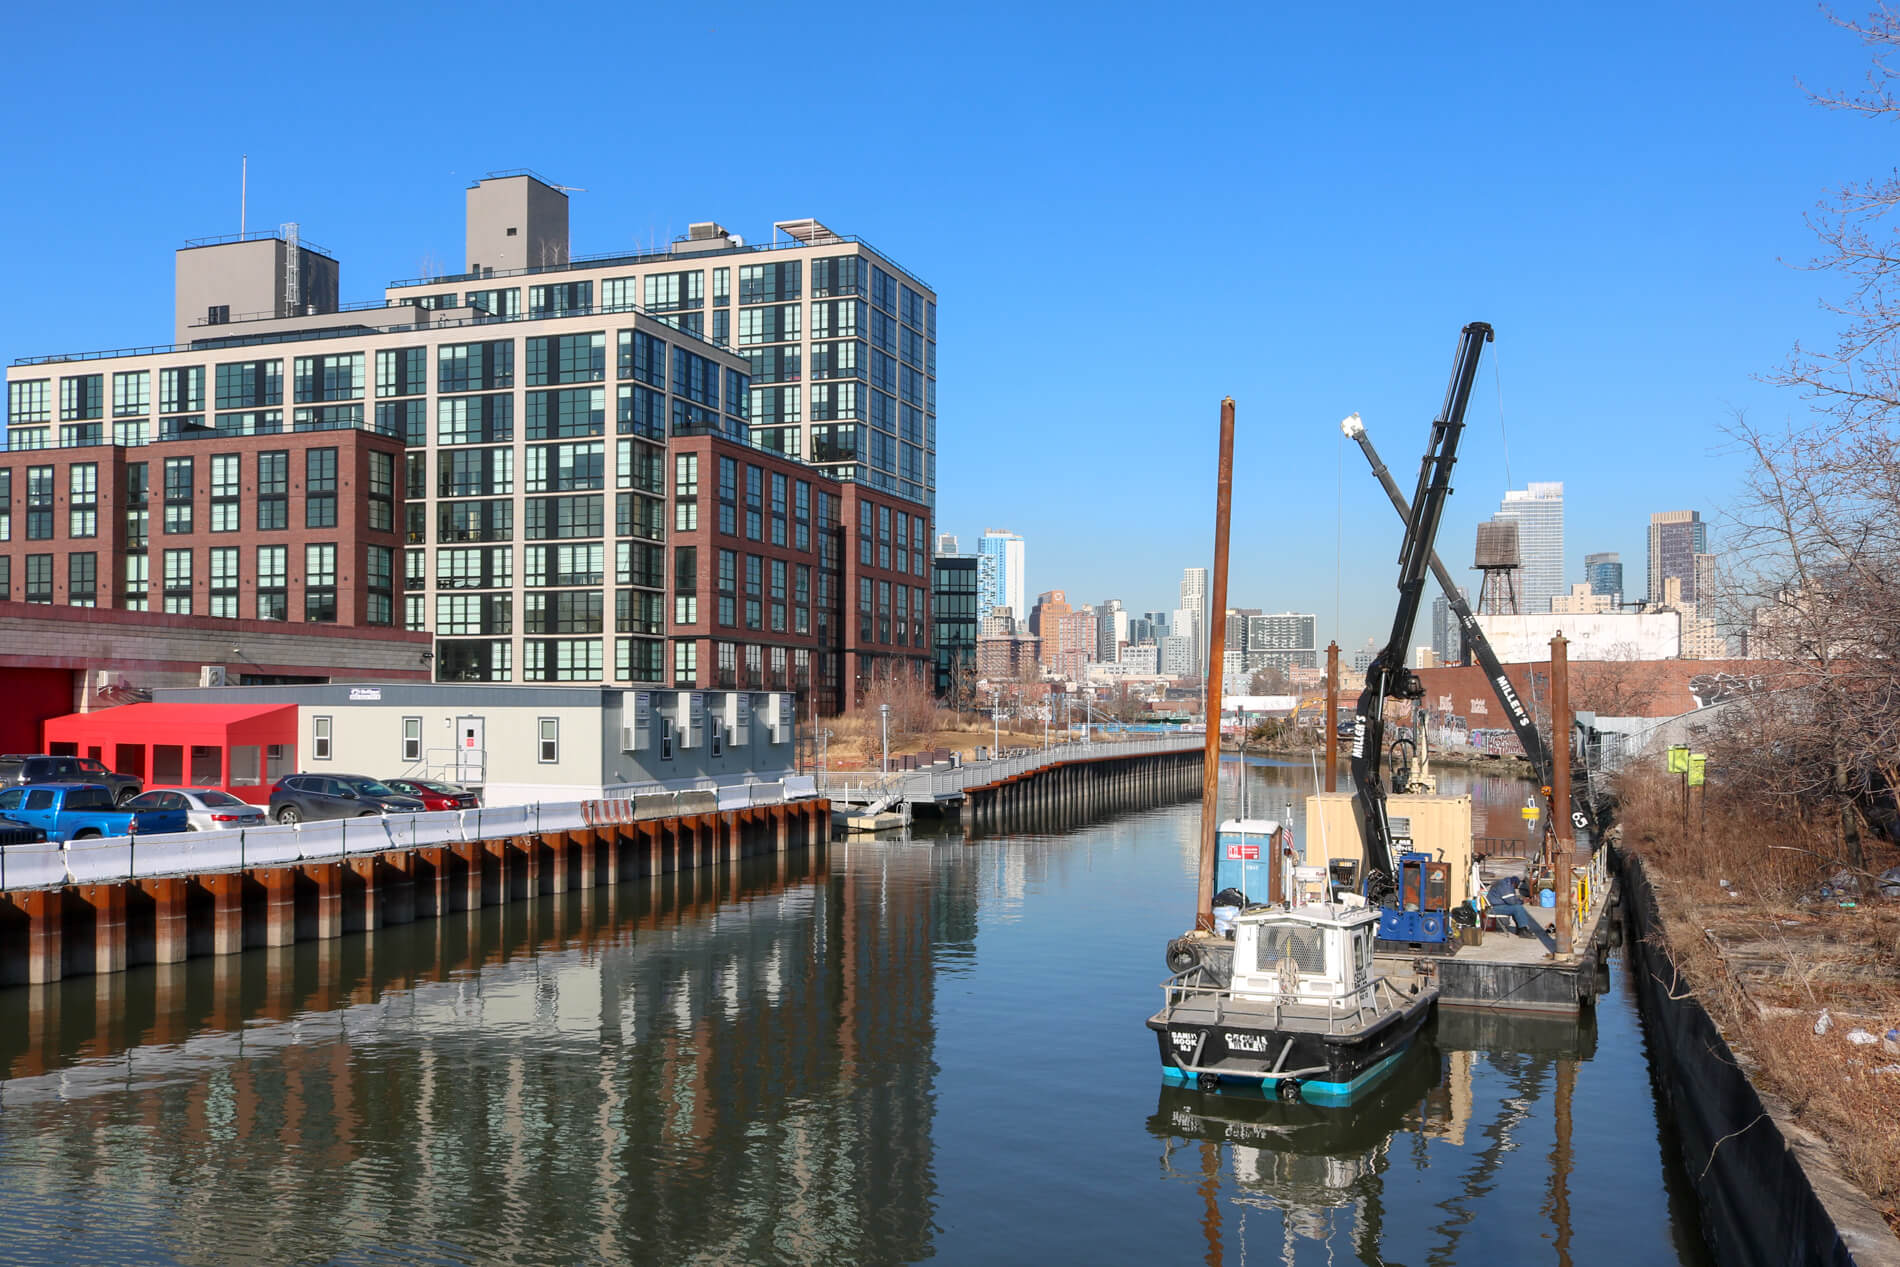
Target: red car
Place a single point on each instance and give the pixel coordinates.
(435, 795)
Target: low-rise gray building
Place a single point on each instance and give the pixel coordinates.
(522, 744)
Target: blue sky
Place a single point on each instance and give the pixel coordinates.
(1128, 212)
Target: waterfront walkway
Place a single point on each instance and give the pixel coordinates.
(945, 784)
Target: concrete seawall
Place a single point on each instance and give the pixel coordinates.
(1770, 1191)
(78, 929)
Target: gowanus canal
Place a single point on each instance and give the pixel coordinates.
(881, 1052)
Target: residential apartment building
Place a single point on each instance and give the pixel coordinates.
(1538, 511)
(1676, 537)
(536, 540)
(1582, 600)
(953, 592)
(1448, 638)
(1603, 573)
(1003, 579)
(1280, 640)
(1195, 599)
(1111, 630)
(1068, 635)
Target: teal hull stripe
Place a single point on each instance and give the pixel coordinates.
(1312, 1092)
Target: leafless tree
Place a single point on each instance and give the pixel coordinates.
(1270, 680)
(1816, 529)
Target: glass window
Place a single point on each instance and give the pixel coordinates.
(131, 393)
(319, 583)
(334, 377)
(178, 477)
(566, 358)
(273, 490)
(319, 488)
(475, 367)
(412, 739)
(561, 300)
(402, 371)
(82, 397)
(573, 411)
(475, 419)
(320, 738)
(272, 582)
(249, 384)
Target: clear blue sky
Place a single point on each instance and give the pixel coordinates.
(1128, 211)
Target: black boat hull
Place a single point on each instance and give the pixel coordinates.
(1316, 1067)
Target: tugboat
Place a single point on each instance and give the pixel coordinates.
(1292, 1005)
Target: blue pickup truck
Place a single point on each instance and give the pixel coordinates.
(81, 811)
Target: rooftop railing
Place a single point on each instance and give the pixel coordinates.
(259, 235)
(662, 253)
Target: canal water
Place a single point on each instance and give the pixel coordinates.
(886, 1053)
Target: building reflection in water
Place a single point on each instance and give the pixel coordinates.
(729, 1065)
(1320, 1174)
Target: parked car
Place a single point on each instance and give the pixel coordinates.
(81, 811)
(17, 833)
(300, 797)
(19, 769)
(435, 795)
(124, 786)
(206, 809)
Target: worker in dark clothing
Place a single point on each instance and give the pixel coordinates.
(1506, 897)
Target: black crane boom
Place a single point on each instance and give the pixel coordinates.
(1389, 677)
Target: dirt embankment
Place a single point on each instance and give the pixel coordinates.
(1771, 926)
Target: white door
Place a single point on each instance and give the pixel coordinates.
(471, 752)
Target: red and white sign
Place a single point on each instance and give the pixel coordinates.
(1243, 853)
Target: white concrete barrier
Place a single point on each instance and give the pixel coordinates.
(32, 866)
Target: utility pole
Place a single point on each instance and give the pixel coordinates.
(1560, 784)
(1330, 723)
(884, 728)
(996, 729)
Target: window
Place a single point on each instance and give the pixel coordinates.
(319, 584)
(564, 565)
(619, 294)
(329, 418)
(272, 584)
(39, 578)
(178, 495)
(475, 521)
(566, 358)
(82, 499)
(837, 275)
(685, 492)
(641, 412)
(498, 303)
(381, 586)
(405, 420)
(774, 405)
(696, 378)
(754, 502)
(224, 582)
(638, 612)
(82, 398)
(561, 660)
(323, 378)
(643, 358)
(669, 291)
(6, 503)
(82, 579)
(137, 596)
(475, 367)
(474, 662)
(178, 582)
(319, 738)
(132, 394)
(29, 401)
(770, 283)
(224, 492)
(574, 411)
(474, 419)
(565, 299)
(776, 324)
(402, 372)
(249, 384)
(382, 491)
(479, 567)
(562, 612)
(319, 488)
(457, 614)
(557, 517)
(273, 491)
(411, 739)
(475, 473)
(685, 662)
(642, 467)
(6, 578)
(566, 468)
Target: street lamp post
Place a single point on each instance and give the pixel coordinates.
(884, 728)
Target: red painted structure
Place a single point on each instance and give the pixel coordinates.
(241, 748)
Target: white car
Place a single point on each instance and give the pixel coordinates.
(206, 809)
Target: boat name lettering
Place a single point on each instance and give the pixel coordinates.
(1182, 1041)
(1247, 1042)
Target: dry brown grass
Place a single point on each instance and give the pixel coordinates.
(1765, 955)
(855, 743)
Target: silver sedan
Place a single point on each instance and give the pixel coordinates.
(206, 809)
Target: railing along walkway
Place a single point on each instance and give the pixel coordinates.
(946, 783)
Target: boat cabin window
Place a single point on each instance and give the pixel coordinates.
(1306, 947)
(1361, 952)
(1437, 886)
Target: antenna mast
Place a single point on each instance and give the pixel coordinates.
(244, 193)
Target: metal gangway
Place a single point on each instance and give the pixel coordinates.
(942, 783)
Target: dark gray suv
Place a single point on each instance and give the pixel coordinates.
(17, 769)
(310, 797)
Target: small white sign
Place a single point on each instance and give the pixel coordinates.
(365, 692)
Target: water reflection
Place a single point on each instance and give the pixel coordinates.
(730, 1066)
